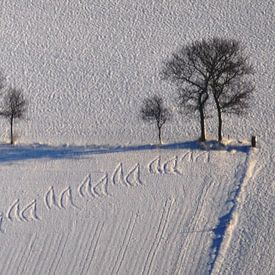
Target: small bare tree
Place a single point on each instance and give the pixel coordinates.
(14, 107)
(153, 111)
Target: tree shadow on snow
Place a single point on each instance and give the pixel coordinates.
(10, 153)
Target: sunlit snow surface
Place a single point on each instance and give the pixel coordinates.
(87, 65)
(120, 207)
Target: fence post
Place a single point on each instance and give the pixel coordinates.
(253, 141)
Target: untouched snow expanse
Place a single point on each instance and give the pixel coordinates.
(121, 206)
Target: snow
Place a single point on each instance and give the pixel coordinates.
(85, 190)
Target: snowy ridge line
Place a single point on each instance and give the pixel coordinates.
(227, 223)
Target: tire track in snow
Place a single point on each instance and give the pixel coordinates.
(80, 239)
(26, 254)
(127, 244)
(92, 256)
(44, 251)
(131, 223)
(227, 223)
(47, 255)
(61, 254)
(107, 254)
(135, 264)
(13, 263)
(87, 250)
(29, 254)
(160, 231)
(180, 221)
(188, 240)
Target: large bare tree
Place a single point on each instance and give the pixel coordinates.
(13, 108)
(216, 66)
(188, 71)
(154, 111)
(229, 83)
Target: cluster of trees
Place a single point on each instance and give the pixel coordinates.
(216, 68)
(13, 105)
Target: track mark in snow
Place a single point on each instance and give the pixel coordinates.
(159, 234)
(118, 175)
(100, 189)
(93, 253)
(14, 211)
(29, 213)
(171, 166)
(81, 240)
(125, 243)
(66, 197)
(56, 253)
(86, 186)
(154, 166)
(46, 254)
(1, 223)
(43, 247)
(187, 156)
(61, 254)
(50, 198)
(188, 241)
(29, 249)
(200, 156)
(133, 178)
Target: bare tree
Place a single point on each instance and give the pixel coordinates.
(229, 85)
(153, 111)
(217, 66)
(14, 107)
(188, 71)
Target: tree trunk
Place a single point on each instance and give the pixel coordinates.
(219, 119)
(202, 138)
(220, 125)
(159, 134)
(11, 133)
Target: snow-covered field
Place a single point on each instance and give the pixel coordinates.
(105, 203)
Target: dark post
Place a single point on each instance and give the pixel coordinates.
(253, 141)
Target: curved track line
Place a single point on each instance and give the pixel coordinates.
(133, 177)
(102, 186)
(200, 155)
(50, 198)
(14, 208)
(118, 175)
(65, 197)
(171, 166)
(154, 166)
(32, 208)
